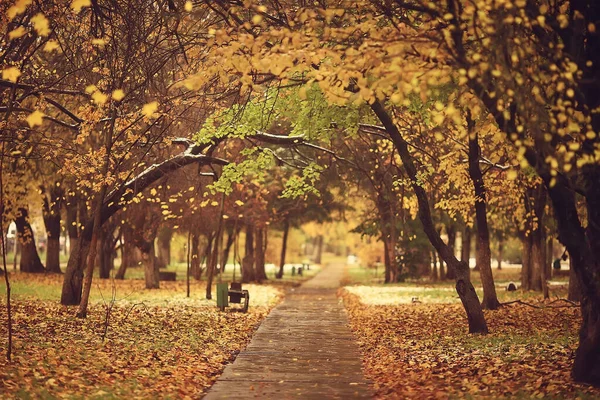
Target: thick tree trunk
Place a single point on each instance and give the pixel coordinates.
(73, 280)
(30, 259)
(574, 286)
(52, 202)
(464, 287)
(53, 255)
(286, 229)
(387, 264)
(107, 251)
(163, 244)
(388, 231)
(259, 249)
(451, 230)
(248, 273)
(484, 255)
(465, 251)
(151, 269)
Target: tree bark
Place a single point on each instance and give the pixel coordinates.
(464, 287)
(387, 264)
(30, 259)
(52, 202)
(214, 258)
(163, 244)
(451, 230)
(434, 273)
(574, 286)
(107, 250)
(71, 207)
(248, 273)
(232, 231)
(319, 250)
(260, 248)
(526, 251)
(286, 229)
(500, 250)
(484, 255)
(196, 268)
(151, 269)
(465, 251)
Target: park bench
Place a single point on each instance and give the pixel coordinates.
(234, 294)
(167, 275)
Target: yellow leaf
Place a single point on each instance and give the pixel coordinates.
(118, 95)
(214, 203)
(511, 175)
(99, 98)
(188, 6)
(18, 8)
(150, 109)
(239, 202)
(153, 192)
(51, 45)
(257, 19)
(77, 5)
(11, 74)
(99, 42)
(35, 118)
(191, 189)
(41, 24)
(90, 88)
(17, 33)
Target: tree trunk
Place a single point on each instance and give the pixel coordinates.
(91, 259)
(151, 269)
(464, 287)
(484, 255)
(465, 251)
(451, 230)
(53, 255)
(248, 273)
(526, 253)
(260, 248)
(71, 221)
(574, 286)
(129, 256)
(500, 250)
(196, 268)
(286, 229)
(386, 261)
(214, 259)
(434, 273)
(538, 248)
(232, 231)
(319, 250)
(163, 244)
(107, 250)
(52, 202)
(30, 260)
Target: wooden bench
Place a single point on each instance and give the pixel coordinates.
(167, 276)
(234, 294)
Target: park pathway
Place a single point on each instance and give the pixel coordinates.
(303, 349)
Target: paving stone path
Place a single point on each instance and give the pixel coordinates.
(303, 349)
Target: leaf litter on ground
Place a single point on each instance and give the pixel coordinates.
(158, 344)
(423, 350)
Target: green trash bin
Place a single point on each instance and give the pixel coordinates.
(222, 298)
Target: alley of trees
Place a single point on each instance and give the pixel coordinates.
(439, 131)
